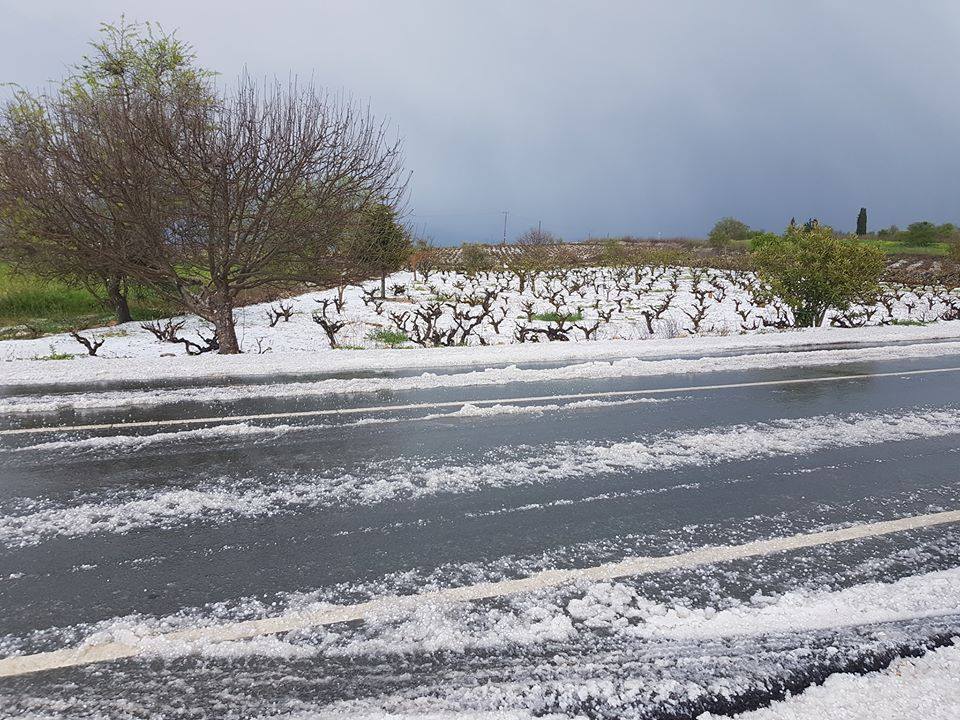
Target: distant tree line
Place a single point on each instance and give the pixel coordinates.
(921, 234)
(730, 234)
(140, 169)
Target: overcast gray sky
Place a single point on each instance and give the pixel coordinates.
(600, 117)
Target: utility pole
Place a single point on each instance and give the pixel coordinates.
(505, 226)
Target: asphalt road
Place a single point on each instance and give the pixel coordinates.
(136, 529)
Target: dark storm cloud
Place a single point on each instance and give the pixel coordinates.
(601, 117)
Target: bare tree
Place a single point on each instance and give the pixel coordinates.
(536, 251)
(422, 258)
(249, 190)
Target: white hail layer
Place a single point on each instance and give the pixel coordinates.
(542, 465)
(597, 370)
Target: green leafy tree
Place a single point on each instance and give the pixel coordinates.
(947, 232)
(921, 233)
(862, 222)
(131, 58)
(814, 271)
(380, 243)
(57, 218)
(726, 232)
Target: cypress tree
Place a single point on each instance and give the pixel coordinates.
(862, 222)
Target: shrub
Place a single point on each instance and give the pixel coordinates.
(955, 250)
(726, 232)
(921, 233)
(759, 239)
(814, 271)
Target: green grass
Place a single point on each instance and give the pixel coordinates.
(910, 323)
(894, 247)
(388, 337)
(33, 307)
(558, 317)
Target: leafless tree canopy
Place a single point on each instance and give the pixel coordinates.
(537, 237)
(257, 188)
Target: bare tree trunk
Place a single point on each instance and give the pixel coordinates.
(226, 328)
(117, 298)
(383, 284)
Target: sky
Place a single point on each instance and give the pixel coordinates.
(601, 117)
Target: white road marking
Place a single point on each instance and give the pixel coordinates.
(105, 652)
(460, 403)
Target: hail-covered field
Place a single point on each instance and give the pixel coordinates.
(501, 308)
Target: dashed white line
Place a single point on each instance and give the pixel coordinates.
(105, 652)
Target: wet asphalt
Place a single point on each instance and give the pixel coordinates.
(158, 571)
